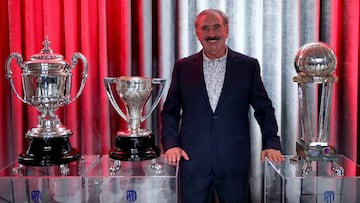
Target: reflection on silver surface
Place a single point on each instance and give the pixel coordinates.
(315, 60)
(315, 64)
(134, 92)
(136, 143)
(46, 85)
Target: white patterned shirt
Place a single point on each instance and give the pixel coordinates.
(214, 74)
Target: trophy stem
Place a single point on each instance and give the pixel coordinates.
(48, 118)
(134, 125)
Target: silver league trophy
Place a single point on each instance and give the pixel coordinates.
(46, 85)
(315, 64)
(134, 144)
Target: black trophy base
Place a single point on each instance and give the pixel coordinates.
(129, 148)
(49, 152)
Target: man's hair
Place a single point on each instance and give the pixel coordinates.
(224, 17)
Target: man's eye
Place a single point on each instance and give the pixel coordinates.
(205, 29)
(217, 27)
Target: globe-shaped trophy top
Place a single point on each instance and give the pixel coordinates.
(315, 59)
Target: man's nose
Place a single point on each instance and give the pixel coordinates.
(212, 32)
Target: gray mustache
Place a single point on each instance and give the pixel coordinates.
(212, 38)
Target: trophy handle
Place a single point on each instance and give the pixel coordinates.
(110, 94)
(84, 74)
(19, 61)
(155, 81)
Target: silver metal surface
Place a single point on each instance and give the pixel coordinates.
(315, 60)
(315, 64)
(46, 80)
(134, 92)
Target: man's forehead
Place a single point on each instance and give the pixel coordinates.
(210, 18)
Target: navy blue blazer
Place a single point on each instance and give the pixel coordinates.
(219, 141)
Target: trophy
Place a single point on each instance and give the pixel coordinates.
(46, 83)
(315, 64)
(134, 144)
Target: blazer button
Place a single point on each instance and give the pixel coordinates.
(215, 117)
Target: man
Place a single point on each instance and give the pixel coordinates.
(205, 125)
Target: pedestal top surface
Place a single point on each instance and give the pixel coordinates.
(294, 169)
(155, 168)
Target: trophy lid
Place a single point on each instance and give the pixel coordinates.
(46, 55)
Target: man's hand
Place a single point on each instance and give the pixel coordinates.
(272, 155)
(173, 155)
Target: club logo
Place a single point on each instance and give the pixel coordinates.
(36, 196)
(329, 197)
(131, 195)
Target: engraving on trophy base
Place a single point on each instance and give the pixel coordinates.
(48, 152)
(131, 148)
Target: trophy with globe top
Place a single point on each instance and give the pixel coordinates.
(315, 64)
(135, 143)
(46, 85)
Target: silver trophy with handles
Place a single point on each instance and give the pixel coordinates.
(135, 143)
(46, 85)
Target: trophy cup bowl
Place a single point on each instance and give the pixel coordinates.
(46, 83)
(134, 144)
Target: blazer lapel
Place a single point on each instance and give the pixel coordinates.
(200, 75)
(227, 79)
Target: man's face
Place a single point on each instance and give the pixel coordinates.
(212, 34)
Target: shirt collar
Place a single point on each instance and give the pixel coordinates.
(216, 59)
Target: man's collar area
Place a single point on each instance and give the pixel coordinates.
(221, 58)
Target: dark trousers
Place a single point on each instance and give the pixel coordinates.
(209, 189)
